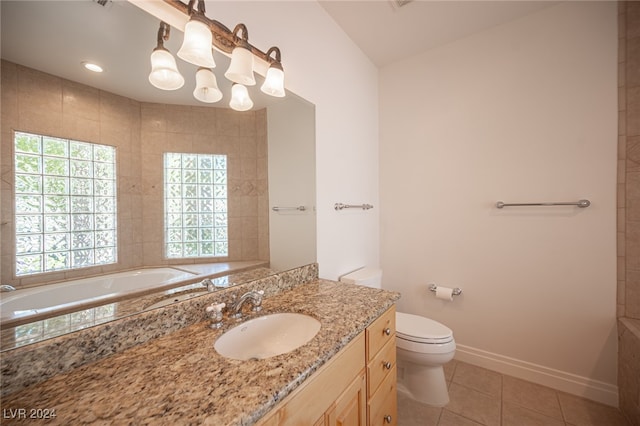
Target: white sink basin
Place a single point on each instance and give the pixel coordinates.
(267, 336)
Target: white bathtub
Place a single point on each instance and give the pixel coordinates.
(34, 301)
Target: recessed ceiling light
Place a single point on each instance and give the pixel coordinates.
(92, 67)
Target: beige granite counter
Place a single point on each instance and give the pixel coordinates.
(180, 379)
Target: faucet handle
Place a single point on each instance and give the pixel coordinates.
(257, 305)
(214, 311)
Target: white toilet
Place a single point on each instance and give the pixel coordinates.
(423, 346)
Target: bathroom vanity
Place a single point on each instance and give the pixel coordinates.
(356, 387)
(344, 375)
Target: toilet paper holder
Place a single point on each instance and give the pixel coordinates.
(456, 291)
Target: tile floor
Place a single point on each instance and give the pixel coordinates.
(483, 397)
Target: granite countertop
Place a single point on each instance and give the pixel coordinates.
(181, 379)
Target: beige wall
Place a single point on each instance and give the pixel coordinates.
(522, 112)
(41, 103)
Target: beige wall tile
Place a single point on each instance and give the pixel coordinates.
(633, 111)
(80, 129)
(80, 101)
(228, 122)
(633, 62)
(632, 298)
(153, 117)
(633, 153)
(633, 196)
(633, 245)
(204, 121)
(633, 19)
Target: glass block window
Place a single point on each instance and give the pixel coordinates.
(195, 205)
(65, 204)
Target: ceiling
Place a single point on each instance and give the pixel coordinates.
(386, 32)
(56, 36)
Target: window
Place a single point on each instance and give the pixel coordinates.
(65, 204)
(195, 205)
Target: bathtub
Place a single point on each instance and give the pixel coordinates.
(36, 302)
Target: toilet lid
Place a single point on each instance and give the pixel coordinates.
(420, 329)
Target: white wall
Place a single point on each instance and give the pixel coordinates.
(522, 112)
(292, 183)
(325, 67)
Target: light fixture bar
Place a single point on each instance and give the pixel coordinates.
(223, 38)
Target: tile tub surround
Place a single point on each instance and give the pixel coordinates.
(629, 368)
(180, 378)
(54, 356)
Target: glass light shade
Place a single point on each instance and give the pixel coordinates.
(164, 72)
(240, 100)
(274, 83)
(206, 86)
(241, 67)
(196, 46)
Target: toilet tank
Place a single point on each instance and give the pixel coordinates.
(369, 277)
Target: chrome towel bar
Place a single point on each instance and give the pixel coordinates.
(580, 203)
(340, 206)
(279, 209)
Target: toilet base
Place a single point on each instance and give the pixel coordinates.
(425, 384)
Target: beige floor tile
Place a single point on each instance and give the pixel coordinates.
(413, 413)
(473, 404)
(515, 415)
(532, 396)
(478, 378)
(583, 412)
(452, 419)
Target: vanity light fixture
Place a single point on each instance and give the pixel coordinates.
(164, 71)
(201, 36)
(241, 67)
(196, 46)
(274, 80)
(206, 86)
(240, 100)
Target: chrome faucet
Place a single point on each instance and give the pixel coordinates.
(255, 297)
(208, 284)
(7, 287)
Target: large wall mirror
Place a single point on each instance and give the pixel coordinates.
(271, 148)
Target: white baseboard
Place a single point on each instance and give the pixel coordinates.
(570, 383)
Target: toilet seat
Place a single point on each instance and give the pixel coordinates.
(418, 329)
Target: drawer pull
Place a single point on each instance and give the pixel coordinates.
(387, 331)
(387, 419)
(387, 365)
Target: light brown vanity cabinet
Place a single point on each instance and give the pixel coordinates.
(382, 400)
(334, 395)
(357, 387)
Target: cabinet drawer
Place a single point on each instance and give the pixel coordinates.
(380, 366)
(383, 406)
(380, 332)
